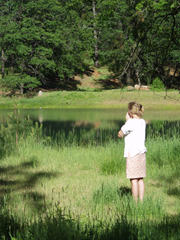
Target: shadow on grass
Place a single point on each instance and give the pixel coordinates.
(110, 82)
(169, 183)
(124, 191)
(69, 84)
(107, 194)
(22, 180)
(174, 191)
(172, 188)
(57, 226)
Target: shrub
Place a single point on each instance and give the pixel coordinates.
(157, 84)
(19, 82)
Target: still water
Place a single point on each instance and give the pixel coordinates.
(96, 121)
(89, 115)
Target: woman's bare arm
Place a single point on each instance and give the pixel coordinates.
(120, 134)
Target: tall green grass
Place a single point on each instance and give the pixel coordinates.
(72, 185)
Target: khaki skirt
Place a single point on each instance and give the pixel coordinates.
(136, 166)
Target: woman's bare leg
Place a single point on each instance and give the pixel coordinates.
(141, 189)
(134, 188)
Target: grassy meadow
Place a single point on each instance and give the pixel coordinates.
(95, 98)
(97, 90)
(73, 185)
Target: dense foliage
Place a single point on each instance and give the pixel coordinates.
(47, 42)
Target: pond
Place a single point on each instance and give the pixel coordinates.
(89, 115)
(86, 125)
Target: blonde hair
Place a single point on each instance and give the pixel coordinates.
(135, 108)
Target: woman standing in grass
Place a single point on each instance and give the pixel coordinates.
(134, 151)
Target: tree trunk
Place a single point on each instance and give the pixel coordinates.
(138, 78)
(165, 93)
(22, 89)
(96, 62)
(128, 78)
(3, 59)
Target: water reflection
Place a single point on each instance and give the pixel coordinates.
(40, 117)
(163, 129)
(81, 133)
(90, 115)
(96, 126)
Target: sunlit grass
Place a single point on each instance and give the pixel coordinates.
(117, 98)
(74, 186)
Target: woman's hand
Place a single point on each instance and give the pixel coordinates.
(120, 134)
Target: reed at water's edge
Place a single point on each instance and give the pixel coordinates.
(72, 185)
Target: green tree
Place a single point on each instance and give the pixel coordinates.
(159, 50)
(47, 40)
(138, 39)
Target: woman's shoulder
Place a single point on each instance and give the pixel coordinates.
(135, 120)
(138, 121)
(143, 122)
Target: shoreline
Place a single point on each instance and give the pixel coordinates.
(105, 99)
(161, 107)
